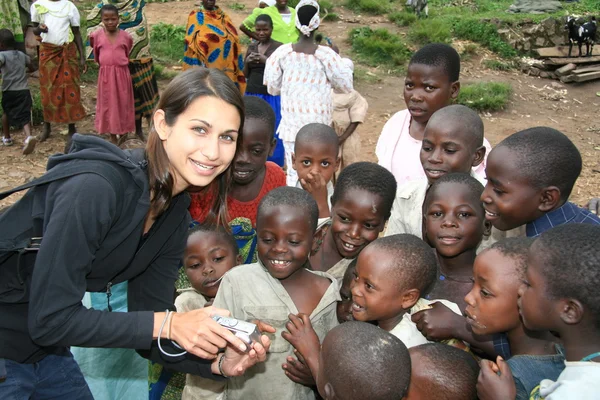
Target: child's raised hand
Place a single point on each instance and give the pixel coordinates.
(495, 381)
(297, 370)
(302, 336)
(438, 323)
(315, 184)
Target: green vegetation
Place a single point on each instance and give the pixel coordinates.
(167, 42)
(379, 47)
(331, 17)
(487, 96)
(402, 18)
(430, 31)
(363, 75)
(237, 6)
(91, 75)
(498, 65)
(369, 6)
(485, 33)
(163, 73)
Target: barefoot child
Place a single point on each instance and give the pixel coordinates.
(454, 219)
(560, 294)
(492, 308)
(360, 206)
(57, 21)
(209, 254)
(392, 277)
(115, 106)
(530, 177)
(452, 142)
(315, 160)
(432, 82)
(438, 368)
(16, 98)
(359, 361)
(253, 177)
(279, 285)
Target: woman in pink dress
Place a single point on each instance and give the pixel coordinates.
(115, 107)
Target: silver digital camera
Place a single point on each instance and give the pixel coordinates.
(246, 331)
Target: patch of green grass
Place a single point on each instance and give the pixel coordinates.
(369, 6)
(485, 33)
(91, 75)
(331, 17)
(237, 6)
(402, 18)
(363, 75)
(498, 65)
(167, 42)
(326, 6)
(379, 47)
(486, 96)
(293, 3)
(245, 40)
(163, 73)
(430, 31)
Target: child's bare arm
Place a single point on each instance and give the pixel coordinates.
(303, 337)
(348, 132)
(79, 44)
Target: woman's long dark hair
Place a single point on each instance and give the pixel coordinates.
(181, 92)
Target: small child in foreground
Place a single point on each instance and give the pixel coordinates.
(361, 205)
(349, 111)
(16, 98)
(432, 83)
(560, 294)
(452, 142)
(492, 308)
(360, 361)
(440, 371)
(530, 177)
(278, 287)
(393, 275)
(315, 160)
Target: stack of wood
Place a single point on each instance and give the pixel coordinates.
(556, 64)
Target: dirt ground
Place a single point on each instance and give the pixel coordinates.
(573, 109)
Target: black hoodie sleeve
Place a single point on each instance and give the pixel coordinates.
(78, 215)
(154, 290)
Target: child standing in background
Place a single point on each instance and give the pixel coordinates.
(115, 107)
(16, 98)
(349, 110)
(57, 21)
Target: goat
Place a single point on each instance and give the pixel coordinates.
(419, 6)
(585, 33)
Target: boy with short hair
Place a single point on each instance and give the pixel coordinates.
(530, 177)
(361, 361)
(253, 177)
(432, 82)
(278, 285)
(438, 368)
(315, 160)
(16, 98)
(393, 275)
(560, 294)
(492, 308)
(452, 142)
(361, 204)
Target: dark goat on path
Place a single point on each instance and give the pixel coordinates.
(585, 33)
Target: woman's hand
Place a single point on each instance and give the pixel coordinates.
(200, 335)
(236, 362)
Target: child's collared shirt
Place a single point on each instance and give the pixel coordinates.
(578, 381)
(407, 330)
(568, 213)
(249, 292)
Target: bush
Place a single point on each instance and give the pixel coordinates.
(167, 42)
(237, 6)
(377, 47)
(430, 31)
(484, 33)
(369, 6)
(163, 73)
(487, 96)
(402, 18)
(497, 65)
